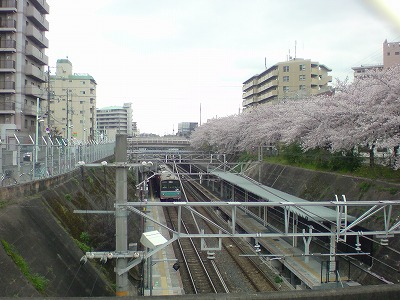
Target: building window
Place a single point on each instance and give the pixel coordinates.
(302, 87)
(285, 68)
(396, 53)
(302, 77)
(285, 89)
(302, 67)
(388, 54)
(285, 78)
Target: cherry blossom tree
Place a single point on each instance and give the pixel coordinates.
(363, 113)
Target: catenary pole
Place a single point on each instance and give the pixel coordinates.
(122, 283)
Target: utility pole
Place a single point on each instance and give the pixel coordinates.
(121, 214)
(48, 97)
(67, 118)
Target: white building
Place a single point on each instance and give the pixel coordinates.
(115, 119)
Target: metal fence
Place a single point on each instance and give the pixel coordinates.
(20, 163)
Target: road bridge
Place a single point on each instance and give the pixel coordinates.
(158, 143)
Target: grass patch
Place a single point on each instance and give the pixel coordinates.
(278, 279)
(83, 242)
(38, 281)
(364, 186)
(68, 197)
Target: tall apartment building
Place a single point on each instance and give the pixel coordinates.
(391, 57)
(22, 61)
(289, 79)
(115, 119)
(72, 112)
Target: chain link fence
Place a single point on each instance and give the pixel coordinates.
(24, 162)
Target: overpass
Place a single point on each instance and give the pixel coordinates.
(155, 143)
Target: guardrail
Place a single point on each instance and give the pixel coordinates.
(20, 163)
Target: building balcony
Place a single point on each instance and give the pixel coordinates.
(42, 6)
(36, 55)
(249, 93)
(34, 91)
(267, 96)
(7, 87)
(8, 46)
(37, 37)
(7, 105)
(29, 111)
(268, 76)
(7, 66)
(36, 73)
(315, 81)
(8, 5)
(249, 84)
(37, 18)
(249, 101)
(8, 26)
(267, 86)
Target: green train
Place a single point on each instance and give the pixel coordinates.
(170, 187)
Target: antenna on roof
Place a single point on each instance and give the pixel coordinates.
(295, 49)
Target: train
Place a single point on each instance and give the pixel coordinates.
(169, 186)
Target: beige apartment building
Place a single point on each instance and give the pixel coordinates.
(73, 103)
(290, 79)
(23, 80)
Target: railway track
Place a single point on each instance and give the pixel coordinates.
(200, 275)
(230, 271)
(253, 268)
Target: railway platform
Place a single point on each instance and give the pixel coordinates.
(165, 280)
(306, 271)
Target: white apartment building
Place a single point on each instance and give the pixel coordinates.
(115, 119)
(290, 79)
(72, 112)
(22, 67)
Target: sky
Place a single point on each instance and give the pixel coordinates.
(186, 60)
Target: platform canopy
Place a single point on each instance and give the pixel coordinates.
(317, 213)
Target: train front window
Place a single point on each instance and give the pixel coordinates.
(170, 185)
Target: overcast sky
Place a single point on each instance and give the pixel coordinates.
(167, 57)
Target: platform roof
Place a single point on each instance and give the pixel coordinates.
(315, 213)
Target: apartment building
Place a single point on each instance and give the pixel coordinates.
(391, 57)
(23, 80)
(115, 119)
(290, 79)
(72, 111)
